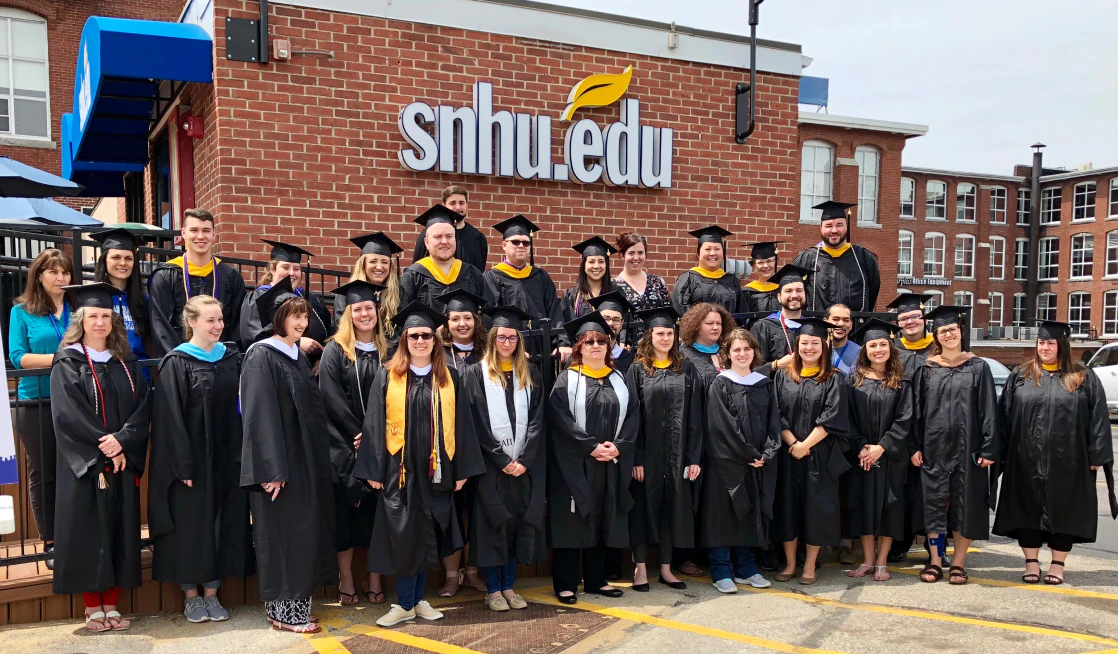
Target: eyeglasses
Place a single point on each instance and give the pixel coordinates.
(514, 339)
(953, 329)
(906, 319)
(425, 336)
(617, 320)
(594, 342)
(518, 243)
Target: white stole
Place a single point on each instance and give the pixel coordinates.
(576, 398)
(512, 440)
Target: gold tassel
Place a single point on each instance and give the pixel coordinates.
(101, 483)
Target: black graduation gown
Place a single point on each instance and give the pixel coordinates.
(344, 398)
(1052, 439)
(167, 298)
(807, 491)
(535, 295)
(762, 300)
(589, 500)
(416, 283)
(703, 362)
(623, 361)
(320, 324)
(691, 288)
(573, 307)
(455, 360)
(286, 439)
(471, 247)
(97, 531)
(507, 516)
(415, 526)
(775, 343)
(956, 423)
(669, 440)
(852, 279)
(911, 360)
(742, 425)
(883, 416)
(196, 435)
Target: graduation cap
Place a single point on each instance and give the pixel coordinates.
(591, 322)
(518, 225)
(711, 234)
(417, 314)
(98, 295)
(943, 316)
(665, 316)
(595, 246)
(832, 210)
(612, 301)
(376, 243)
(272, 299)
(1050, 329)
(789, 274)
(507, 316)
(358, 291)
(461, 300)
(764, 249)
(906, 302)
(439, 214)
(814, 327)
(116, 239)
(874, 329)
(286, 252)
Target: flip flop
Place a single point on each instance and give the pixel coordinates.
(348, 599)
(97, 618)
(123, 624)
(860, 571)
(881, 573)
(375, 596)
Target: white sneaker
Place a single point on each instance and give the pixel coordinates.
(757, 581)
(427, 612)
(726, 586)
(395, 616)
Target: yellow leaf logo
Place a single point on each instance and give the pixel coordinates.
(597, 91)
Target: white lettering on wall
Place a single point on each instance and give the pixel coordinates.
(424, 152)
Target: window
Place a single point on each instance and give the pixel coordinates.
(1021, 260)
(933, 300)
(966, 200)
(1046, 306)
(1024, 206)
(964, 256)
(908, 197)
(1113, 213)
(963, 299)
(816, 174)
(1082, 256)
(1110, 313)
(1018, 309)
(1050, 200)
(935, 204)
(1079, 313)
(1112, 254)
(999, 201)
(996, 302)
(1083, 202)
(868, 159)
(934, 244)
(24, 106)
(904, 253)
(1049, 264)
(997, 257)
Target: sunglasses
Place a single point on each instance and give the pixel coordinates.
(425, 336)
(519, 243)
(514, 339)
(592, 342)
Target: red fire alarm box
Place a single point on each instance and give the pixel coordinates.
(193, 126)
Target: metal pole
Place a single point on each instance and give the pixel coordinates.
(1031, 276)
(754, 18)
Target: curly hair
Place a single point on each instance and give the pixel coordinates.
(894, 371)
(116, 342)
(691, 321)
(646, 354)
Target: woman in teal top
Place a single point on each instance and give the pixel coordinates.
(38, 321)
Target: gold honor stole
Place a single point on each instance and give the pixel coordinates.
(599, 373)
(443, 406)
(1053, 367)
(809, 372)
(837, 252)
(917, 345)
(763, 287)
(436, 272)
(513, 272)
(709, 274)
(661, 363)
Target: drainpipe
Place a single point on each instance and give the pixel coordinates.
(1031, 276)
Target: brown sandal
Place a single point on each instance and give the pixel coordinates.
(957, 572)
(935, 571)
(375, 596)
(348, 599)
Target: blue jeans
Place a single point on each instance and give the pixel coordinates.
(720, 567)
(499, 577)
(409, 590)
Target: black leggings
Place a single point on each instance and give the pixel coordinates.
(35, 428)
(1035, 539)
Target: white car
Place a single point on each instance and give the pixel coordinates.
(1105, 365)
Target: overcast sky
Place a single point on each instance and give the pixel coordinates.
(988, 77)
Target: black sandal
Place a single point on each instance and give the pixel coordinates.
(934, 570)
(348, 599)
(1051, 579)
(375, 596)
(1029, 577)
(957, 572)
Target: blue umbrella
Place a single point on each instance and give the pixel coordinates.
(18, 180)
(44, 211)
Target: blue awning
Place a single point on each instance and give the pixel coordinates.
(814, 91)
(121, 64)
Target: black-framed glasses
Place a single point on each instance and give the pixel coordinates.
(425, 336)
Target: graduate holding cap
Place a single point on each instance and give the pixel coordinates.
(418, 448)
(776, 333)
(615, 309)
(286, 262)
(439, 272)
(463, 336)
(593, 277)
(762, 293)
(1057, 438)
(955, 440)
(117, 265)
(707, 281)
(843, 273)
(378, 264)
(99, 401)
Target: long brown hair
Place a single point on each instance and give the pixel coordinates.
(35, 299)
(825, 367)
(1072, 375)
(389, 302)
(492, 361)
(741, 334)
(576, 351)
(894, 371)
(398, 366)
(646, 354)
(137, 296)
(691, 321)
(116, 341)
(479, 338)
(346, 336)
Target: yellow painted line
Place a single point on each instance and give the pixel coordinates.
(942, 617)
(1040, 588)
(324, 643)
(409, 640)
(633, 616)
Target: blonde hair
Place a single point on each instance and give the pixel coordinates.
(389, 303)
(346, 336)
(193, 310)
(491, 362)
(116, 342)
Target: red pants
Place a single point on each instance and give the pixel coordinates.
(105, 598)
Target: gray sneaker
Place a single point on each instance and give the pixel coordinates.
(726, 586)
(195, 610)
(215, 610)
(757, 581)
